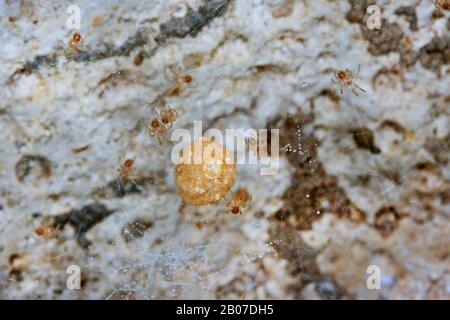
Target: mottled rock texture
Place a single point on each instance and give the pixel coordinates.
(368, 183)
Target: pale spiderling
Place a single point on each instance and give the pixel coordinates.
(74, 42)
(239, 200)
(345, 79)
(127, 169)
(179, 79)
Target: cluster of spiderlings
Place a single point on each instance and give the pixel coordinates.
(161, 122)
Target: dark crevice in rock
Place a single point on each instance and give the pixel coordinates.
(193, 22)
(83, 220)
(33, 65)
(51, 60)
(119, 188)
(435, 53)
(135, 41)
(365, 139)
(176, 27)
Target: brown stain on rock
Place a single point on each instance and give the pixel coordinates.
(313, 192)
(439, 149)
(29, 164)
(139, 58)
(358, 10)
(387, 220)
(284, 9)
(385, 40)
(435, 53)
(390, 38)
(365, 139)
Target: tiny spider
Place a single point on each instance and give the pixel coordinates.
(156, 128)
(127, 174)
(127, 170)
(442, 4)
(181, 80)
(161, 122)
(239, 200)
(168, 116)
(345, 79)
(46, 231)
(75, 40)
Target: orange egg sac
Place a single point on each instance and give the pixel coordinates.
(210, 178)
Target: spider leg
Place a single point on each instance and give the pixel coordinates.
(359, 87)
(354, 91)
(167, 75)
(156, 113)
(359, 68)
(342, 90)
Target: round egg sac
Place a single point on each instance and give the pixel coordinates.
(205, 173)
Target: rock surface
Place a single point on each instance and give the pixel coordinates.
(365, 181)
